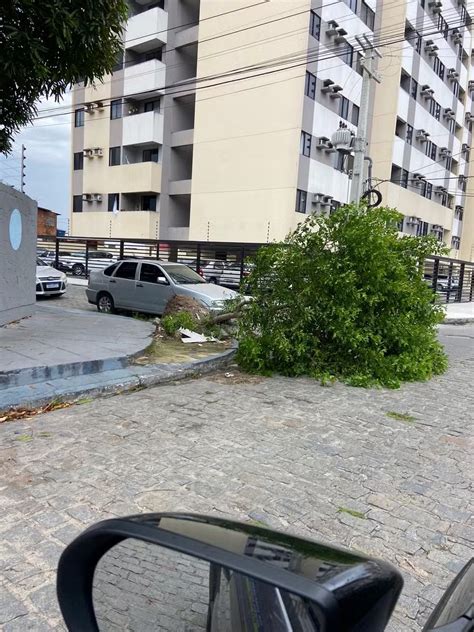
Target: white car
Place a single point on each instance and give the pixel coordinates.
(76, 262)
(212, 271)
(49, 282)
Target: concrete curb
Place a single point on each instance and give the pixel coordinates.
(458, 321)
(109, 382)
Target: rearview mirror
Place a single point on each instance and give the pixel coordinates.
(183, 572)
(162, 280)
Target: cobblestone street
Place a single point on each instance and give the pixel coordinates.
(385, 472)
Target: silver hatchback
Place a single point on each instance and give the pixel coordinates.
(147, 286)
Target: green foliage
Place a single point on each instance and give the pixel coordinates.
(343, 298)
(48, 45)
(352, 512)
(405, 417)
(173, 322)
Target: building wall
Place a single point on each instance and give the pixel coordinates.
(126, 224)
(17, 254)
(47, 222)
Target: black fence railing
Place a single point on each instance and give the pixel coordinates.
(220, 262)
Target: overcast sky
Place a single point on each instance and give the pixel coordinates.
(48, 157)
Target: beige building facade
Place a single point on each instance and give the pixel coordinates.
(216, 124)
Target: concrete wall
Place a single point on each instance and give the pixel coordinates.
(18, 215)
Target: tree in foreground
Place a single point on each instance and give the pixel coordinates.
(344, 298)
(48, 45)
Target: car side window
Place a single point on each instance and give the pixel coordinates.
(126, 270)
(110, 270)
(149, 273)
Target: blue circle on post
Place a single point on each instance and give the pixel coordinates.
(15, 229)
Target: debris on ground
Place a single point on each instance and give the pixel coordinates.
(27, 413)
(192, 336)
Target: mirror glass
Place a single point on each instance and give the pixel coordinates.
(457, 600)
(140, 587)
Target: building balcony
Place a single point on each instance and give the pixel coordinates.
(187, 36)
(180, 187)
(147, 30)
(140, 129)
(177, 233)
(139, 177)
(182, 138)
(145, 80)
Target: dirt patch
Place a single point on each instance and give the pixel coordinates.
(234, 376)
(173, 351)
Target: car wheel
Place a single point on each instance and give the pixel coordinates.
(213, 280)
(105, 304)
(78, 269)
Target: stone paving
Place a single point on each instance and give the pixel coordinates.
(385, 472)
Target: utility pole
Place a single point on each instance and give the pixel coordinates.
(22, 174)
(360, 141)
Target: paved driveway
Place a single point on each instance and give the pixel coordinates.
(324, 462)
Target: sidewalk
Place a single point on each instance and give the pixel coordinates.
(459, 313)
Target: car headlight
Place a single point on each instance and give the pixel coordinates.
(63, 277)
(37, 280)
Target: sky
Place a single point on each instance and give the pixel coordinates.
(48, 158)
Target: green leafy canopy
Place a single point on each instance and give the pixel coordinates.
(344, 298)
(47, 45)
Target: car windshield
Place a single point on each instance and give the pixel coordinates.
(182, 275)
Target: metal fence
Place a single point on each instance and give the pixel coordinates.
(220, 262)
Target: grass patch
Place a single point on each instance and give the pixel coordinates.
(405, 417)
(352, 512)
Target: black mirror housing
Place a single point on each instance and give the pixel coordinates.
(346, 591)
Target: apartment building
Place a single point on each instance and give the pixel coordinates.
(217, 123)
(422, 124)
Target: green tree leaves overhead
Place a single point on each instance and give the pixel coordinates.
(344, 298)
(47, 45)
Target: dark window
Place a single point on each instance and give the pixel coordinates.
(113, 202)
(347, 54)
(340, 161)
(116, 109)
(422, 4)
(456, 88)
(150, 155)
(455, 242)
(404, 178)
(315, 25)
(418, 42)
(462, 183)
(344, 108)
(127, 270)
(149, 273)
(310, 85)
(437, 112)
(335, 205)
(114, 156)
(458, 213)
(367, 15)
(79, 118)
(301, 197)
(352, 4)
(428, 190)
(443, 26)
(409, 134)
(449, 163)
(152, 106)
(305, 145)
(357, 63)
(355, 114)
(148, 202)
(422, 229)
(77, 203)
(110, 270)
(414, 88)
(78, 160)
(434, 151)
(439, 67)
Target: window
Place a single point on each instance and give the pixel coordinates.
(113, 200)
(150, 155)
(367, 15)
(79, 118)
(357, 63)
(449, 163)
(335, 205)
(344, 108)
(404, 178)
(422, 229)
(409, 134)
(310, 85)
(148, 202)
(347, 54)
(114, 156)
(116, 109)
(437, 113)
(301, 197)
(77, 203)
(152, 106)
(456, 89)
(458, 213)
(340, 162)
(305, 145)
(150, 273)
(355, 114)
(434, 151)
(443, 26)
(462, 183)
(111, 269)
(439, 67)
(315, 25)
(405, 81)
(78, 160)
(455, 242)
(126, 270)
(428, 190)
(352, 4)
(413, 88)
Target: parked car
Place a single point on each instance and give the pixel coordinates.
(49, 282)
(231, 275)
(443, 283)
(76, 262)
(212, 271)
(144, 285)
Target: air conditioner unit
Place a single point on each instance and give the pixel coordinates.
(422, 135)
(335, 92)
(470, 85)
(444, 152)
(327, 86)
(412, 220)
(440, 189)
(459, 208)
(341, 36)
(426, 91)
(89, 108)
(333, 28)
(457, 38)
(453, 74)
(435, 6)
(99, 105)
(437, 228)
(465, 148)
(326, 200)
(97, 151)
(417, 179)
(469, 117)
(325, 144)
(461, 3)
(97, 197)
(87, 197)
(430, 47)
(87, 153)
(449, 113)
